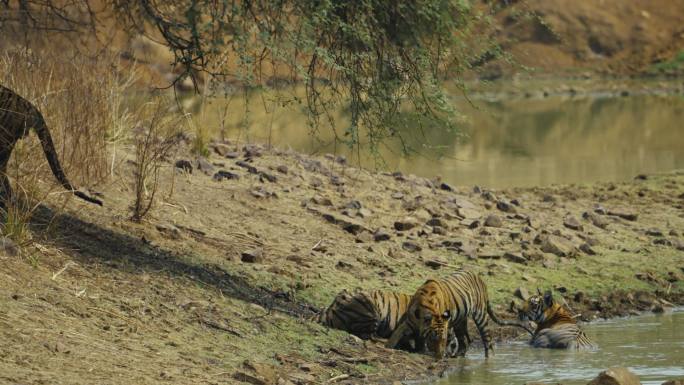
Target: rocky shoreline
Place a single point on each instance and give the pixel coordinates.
(247, 243)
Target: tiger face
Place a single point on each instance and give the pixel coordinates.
(537, 308)
(430, 319)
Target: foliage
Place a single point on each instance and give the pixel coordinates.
(372, 58)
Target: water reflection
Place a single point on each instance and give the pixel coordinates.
(522, 142)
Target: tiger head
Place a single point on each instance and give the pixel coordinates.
(538, 308)
(430, 317)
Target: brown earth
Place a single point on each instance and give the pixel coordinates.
(596, 36)
(215, 286)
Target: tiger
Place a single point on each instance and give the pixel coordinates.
(17, 117)
(556, 327)
(370, 314)
(441, 307)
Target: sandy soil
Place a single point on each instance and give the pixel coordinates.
(216, 285)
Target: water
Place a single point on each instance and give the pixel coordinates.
(651, 346)
(505, 143)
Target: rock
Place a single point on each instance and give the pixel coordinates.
(8, 246)
(227, 175)
(381, 235)
(251, 169)
(364, 213)
(266, 176)
(515, 257)
(336, 181)
(169, 231)
(624, 214)
(489, 254)
(641, 177)
(251, 151)
(678, 244)
(468, 213)
(356, 205)
(616, 376)
(232, 155)
(522, 293)
(411, 246)
(204, 166)
(549, 198)
(439, 230)
(558, 245)
(654, 232)
(587, 249)
(321, 200)
(505, 207)
(364, 237)
(662, 242)
(493, 220)
(549, 263)
(282, 169)
(435, 263)
(572, 223)
(221, 148)
(445, 187)
(533, 255)
(436, 222)
(534, 223)
(320, 246)
(252, 256)
(405, 224)
(398, 195)
(184, 165)
(596, 220)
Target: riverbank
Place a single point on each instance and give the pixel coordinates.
(216, 284)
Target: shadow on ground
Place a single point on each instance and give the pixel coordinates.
(91, 243)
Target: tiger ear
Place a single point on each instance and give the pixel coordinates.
(548, 298)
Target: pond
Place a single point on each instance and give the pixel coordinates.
(651, 346)
(509, 142)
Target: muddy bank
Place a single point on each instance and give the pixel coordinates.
(216, 285)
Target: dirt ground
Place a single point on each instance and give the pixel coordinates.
(609, 37)
(216, 285)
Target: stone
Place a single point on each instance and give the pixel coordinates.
(251, 169)
(251, 151)
(232, 155)
(225, 175)
(616, 376)
(468, 213)
(624, 214)
(364, 237)
(397, 195)
(356, 205)
(522, 293)
(364, 213)
(349, 225)
(169, 231)
(9, 247)
(493, 220)
(221, 148)
(439, 230)
(321, 200)
(266, 176)
(596, 220)
(534, 223)
(252, 256)
(548, 198)
(445, 187)
(282, 169)
(515, 257)
(411, 246)
(436, 222)
(435, 263)
(587, 249)
(489, 254)
(204, 165)
(184, 165)
(533, 255)
(381, 235)
(505, 207)
(405, 224)
(572, 223)
(654, 232)
(558, 245)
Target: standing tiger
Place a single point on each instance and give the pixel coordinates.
(556, 327)
(370, 314)
(442, 306)
(17, 117)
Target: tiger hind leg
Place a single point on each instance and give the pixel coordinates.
(482, 322)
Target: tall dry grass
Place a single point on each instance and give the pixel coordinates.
(83, 102)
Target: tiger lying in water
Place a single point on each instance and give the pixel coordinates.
(372, 314)
(441, 307)
(17, 117)
(556, 327)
